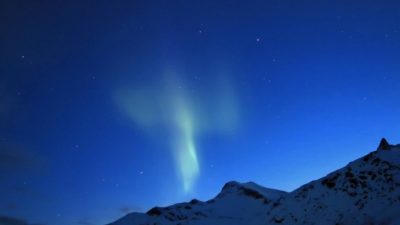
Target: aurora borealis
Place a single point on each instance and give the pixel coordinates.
(111, 107)
(185, 113)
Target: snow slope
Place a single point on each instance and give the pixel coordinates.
(366, 191)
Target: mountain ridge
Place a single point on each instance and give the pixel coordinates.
(365, 191)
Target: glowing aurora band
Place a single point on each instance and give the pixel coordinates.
(187, 116)
(186, 154)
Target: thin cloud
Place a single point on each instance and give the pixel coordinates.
(8, 220)
(10, 206)
(15, 158)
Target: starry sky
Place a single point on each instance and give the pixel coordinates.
(109, 107)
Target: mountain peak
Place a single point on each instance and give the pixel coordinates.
(251, 189)
(384, 145)
(230, 185)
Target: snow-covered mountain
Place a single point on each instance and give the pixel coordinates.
(365, 192)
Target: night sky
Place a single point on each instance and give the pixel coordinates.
(109, 107)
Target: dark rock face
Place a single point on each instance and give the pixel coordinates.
(251, 193)
(156, 211)
(384, 145)
(194, 201)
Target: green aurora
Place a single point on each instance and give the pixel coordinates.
(187, 113)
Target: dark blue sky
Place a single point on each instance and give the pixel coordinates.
(108, 107)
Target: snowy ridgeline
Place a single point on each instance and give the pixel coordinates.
(365, 192)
